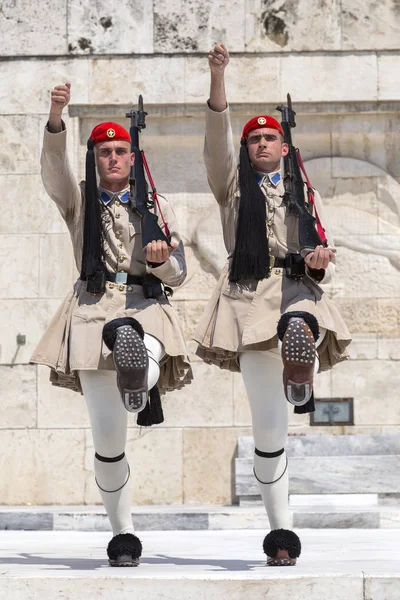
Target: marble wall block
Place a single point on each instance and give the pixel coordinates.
(387, 85)
(57, 265)
(372, 276)
(58, 408)
(373, 385)
(42, 467)
(321, 78)
(364, 346)
(160, 79)
(193, 26)
(284, 26)
(19, 266)
(155, 458)
(19, 152)
(105, 27)
(388, 315)
(389, 346)
(30, 210)
(362, 145)
(392, 146)
(18, 393)
(22, 32)
(363, 316)
(388, 205)
(363, 28)
(208, 474)
(26, 85)
(246, 79)
(28, 317)
(207, 402)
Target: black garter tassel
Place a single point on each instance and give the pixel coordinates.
(152, 414)
(308, 407)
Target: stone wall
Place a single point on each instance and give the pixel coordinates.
(340, 65)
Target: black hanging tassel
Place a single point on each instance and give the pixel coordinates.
(93, 256)
(157, 414)
(308, 407)
(144, 417)
(152, 414)
(251, 257)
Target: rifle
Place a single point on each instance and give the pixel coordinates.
(293, 182)
(139, 199)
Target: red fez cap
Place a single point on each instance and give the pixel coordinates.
(263, 121)
(108, 132)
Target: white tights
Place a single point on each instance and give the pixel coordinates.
(262, 377)
(109, 420)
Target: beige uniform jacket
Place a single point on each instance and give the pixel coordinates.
(245, 316)
(73, 340)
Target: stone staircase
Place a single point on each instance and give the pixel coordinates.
(335, 480)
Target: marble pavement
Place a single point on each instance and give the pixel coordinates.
(210, 565)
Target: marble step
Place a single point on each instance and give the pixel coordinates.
(329, 475)
(363, 512)
(331, 445)
(201, 565)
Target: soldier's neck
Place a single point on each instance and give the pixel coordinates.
(114, 186)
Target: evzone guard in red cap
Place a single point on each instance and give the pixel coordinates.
(116, 337)
(268, 317)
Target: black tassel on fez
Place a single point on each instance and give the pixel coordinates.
(250, 257)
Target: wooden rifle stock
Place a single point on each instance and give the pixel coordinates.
(294, 186)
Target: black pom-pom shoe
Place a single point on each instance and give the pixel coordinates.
(282, 547)
(124, 550)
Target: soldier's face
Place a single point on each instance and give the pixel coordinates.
(266, 147)
(113, 161)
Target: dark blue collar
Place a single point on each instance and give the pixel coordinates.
(108, 196)
(274, 179)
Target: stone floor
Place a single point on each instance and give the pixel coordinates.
(202, 565)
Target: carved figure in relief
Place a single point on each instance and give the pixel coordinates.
(116, 337)
(268, 316)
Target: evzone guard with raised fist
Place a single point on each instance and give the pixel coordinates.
(268, 316)
(116, 337)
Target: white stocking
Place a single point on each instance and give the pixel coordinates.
(109, 419)
(262, 376)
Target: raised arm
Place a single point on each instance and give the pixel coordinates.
(219, 152)
(57, 176)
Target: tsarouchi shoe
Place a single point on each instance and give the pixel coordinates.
(298, 332)
(282, 548)
(124, 337)
(124, 550)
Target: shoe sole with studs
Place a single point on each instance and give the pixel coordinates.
(132, 366)
(298, 355)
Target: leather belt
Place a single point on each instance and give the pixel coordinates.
(125, 278)
(277, 263)
(293, 265)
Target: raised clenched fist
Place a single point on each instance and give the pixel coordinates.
(218, 58)
(60, 96)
